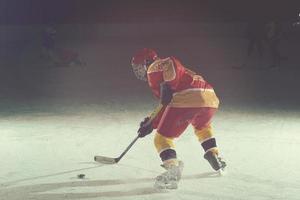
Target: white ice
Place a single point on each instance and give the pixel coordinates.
(43, 154)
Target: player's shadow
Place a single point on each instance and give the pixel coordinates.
(47, 191)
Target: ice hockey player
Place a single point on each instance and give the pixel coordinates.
(186, 98)
(60, 57)
(49, 43)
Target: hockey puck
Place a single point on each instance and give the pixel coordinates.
(81, 176)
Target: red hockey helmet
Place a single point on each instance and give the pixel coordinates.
(144, 56)
(140, 62)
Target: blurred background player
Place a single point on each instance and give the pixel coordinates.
(49, 44)
(60, 57)
(186, 98)
(274, 37)
(255, 34)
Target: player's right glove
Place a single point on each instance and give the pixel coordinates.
(145, 127)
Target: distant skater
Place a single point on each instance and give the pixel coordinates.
(274, 35)
(49, 44)
(255, 34)
(58, 56)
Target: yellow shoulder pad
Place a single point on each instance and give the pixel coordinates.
(169, 72)
(155, 67)
(164, 65)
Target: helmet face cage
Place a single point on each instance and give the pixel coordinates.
(140, 71)
(141, 61)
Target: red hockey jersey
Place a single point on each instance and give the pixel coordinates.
(190, 89)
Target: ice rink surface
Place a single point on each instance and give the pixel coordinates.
(42, 154)
(54, 120)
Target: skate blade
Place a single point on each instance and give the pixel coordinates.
(221, 172)
(166, 186)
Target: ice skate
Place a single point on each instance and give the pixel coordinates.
(170, 178)
(216, 162)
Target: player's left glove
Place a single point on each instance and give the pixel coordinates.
(145, 127)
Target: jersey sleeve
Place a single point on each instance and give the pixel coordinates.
(163, 70)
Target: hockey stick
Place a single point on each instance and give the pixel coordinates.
(109, 160)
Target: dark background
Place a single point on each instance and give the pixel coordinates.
(95, 11)
(207, 36)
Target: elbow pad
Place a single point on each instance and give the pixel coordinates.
(166, 94)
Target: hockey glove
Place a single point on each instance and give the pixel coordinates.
(166, 94)
(145, 127)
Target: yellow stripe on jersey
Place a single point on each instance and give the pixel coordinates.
(195, 97)
(164, 65)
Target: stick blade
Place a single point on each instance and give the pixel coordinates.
(105, 160)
